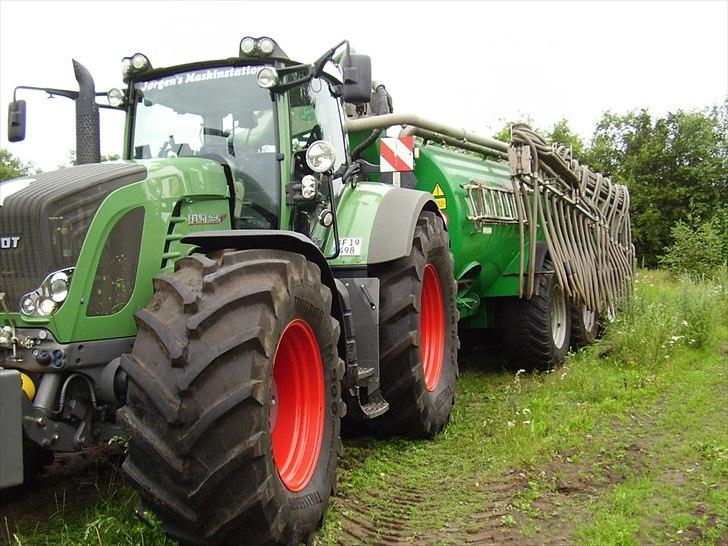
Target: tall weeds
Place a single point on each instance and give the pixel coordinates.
(664, 313)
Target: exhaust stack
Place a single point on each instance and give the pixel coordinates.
(88, 143)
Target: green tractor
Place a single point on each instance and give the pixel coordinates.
(263, 263)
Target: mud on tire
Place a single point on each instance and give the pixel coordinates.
(199, 399)
(420, 396)
(536, 331)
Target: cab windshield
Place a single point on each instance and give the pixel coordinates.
(221, 114)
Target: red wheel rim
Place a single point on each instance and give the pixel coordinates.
(432, 328)
(297, 405)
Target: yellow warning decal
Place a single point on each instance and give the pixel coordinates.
(439, 196)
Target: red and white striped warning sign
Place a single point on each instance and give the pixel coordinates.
(396, 154)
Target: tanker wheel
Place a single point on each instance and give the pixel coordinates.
(234, 402)
(536, 331)
(418, 334)
(585, 325)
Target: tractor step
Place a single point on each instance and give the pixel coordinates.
(375, 409)
(364, 373)
(376, 406)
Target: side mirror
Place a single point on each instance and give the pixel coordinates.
(16, 121)
(358, 80)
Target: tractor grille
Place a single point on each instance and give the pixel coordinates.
(43, 225)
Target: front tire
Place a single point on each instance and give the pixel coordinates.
(536, 331)
(418, 334)
(234, 399)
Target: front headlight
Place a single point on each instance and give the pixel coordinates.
(27, 304)
(58, 286)
(48, 297)
(46, 306)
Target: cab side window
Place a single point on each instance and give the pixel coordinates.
(315, 114)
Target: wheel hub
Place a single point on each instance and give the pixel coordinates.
(296, 405)
(432, 327)
(558, 317)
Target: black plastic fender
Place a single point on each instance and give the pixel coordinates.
(395, 221)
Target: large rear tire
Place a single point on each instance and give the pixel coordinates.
(536, 331)
(234, 399)
(418, 339)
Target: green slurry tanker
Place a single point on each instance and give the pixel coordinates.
(277, 252)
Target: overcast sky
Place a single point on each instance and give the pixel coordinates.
(469, 64)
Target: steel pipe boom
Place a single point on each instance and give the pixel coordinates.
(389, 120)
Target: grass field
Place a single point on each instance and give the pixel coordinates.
(626, 443)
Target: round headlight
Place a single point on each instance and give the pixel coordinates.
(125, 65)
(139, 61)
(267, 77)
(247, 46)
(266, 46)
(115, 97)
(308, 186)
(320, 156)
(27, 305)
(58, 287)
(326, 218)
(46, 306)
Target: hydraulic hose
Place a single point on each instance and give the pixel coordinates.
(383, 99)
(584, 219)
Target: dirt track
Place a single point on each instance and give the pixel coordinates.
(564, 487)
(73, 481)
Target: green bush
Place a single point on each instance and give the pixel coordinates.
(697, 250)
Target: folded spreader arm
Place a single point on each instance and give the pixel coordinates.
(584, 218)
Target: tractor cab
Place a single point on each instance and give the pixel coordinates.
(275, 127)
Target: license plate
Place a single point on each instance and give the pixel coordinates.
(350, 246)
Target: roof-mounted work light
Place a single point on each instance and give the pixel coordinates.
(261, 48)
(135, 64)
